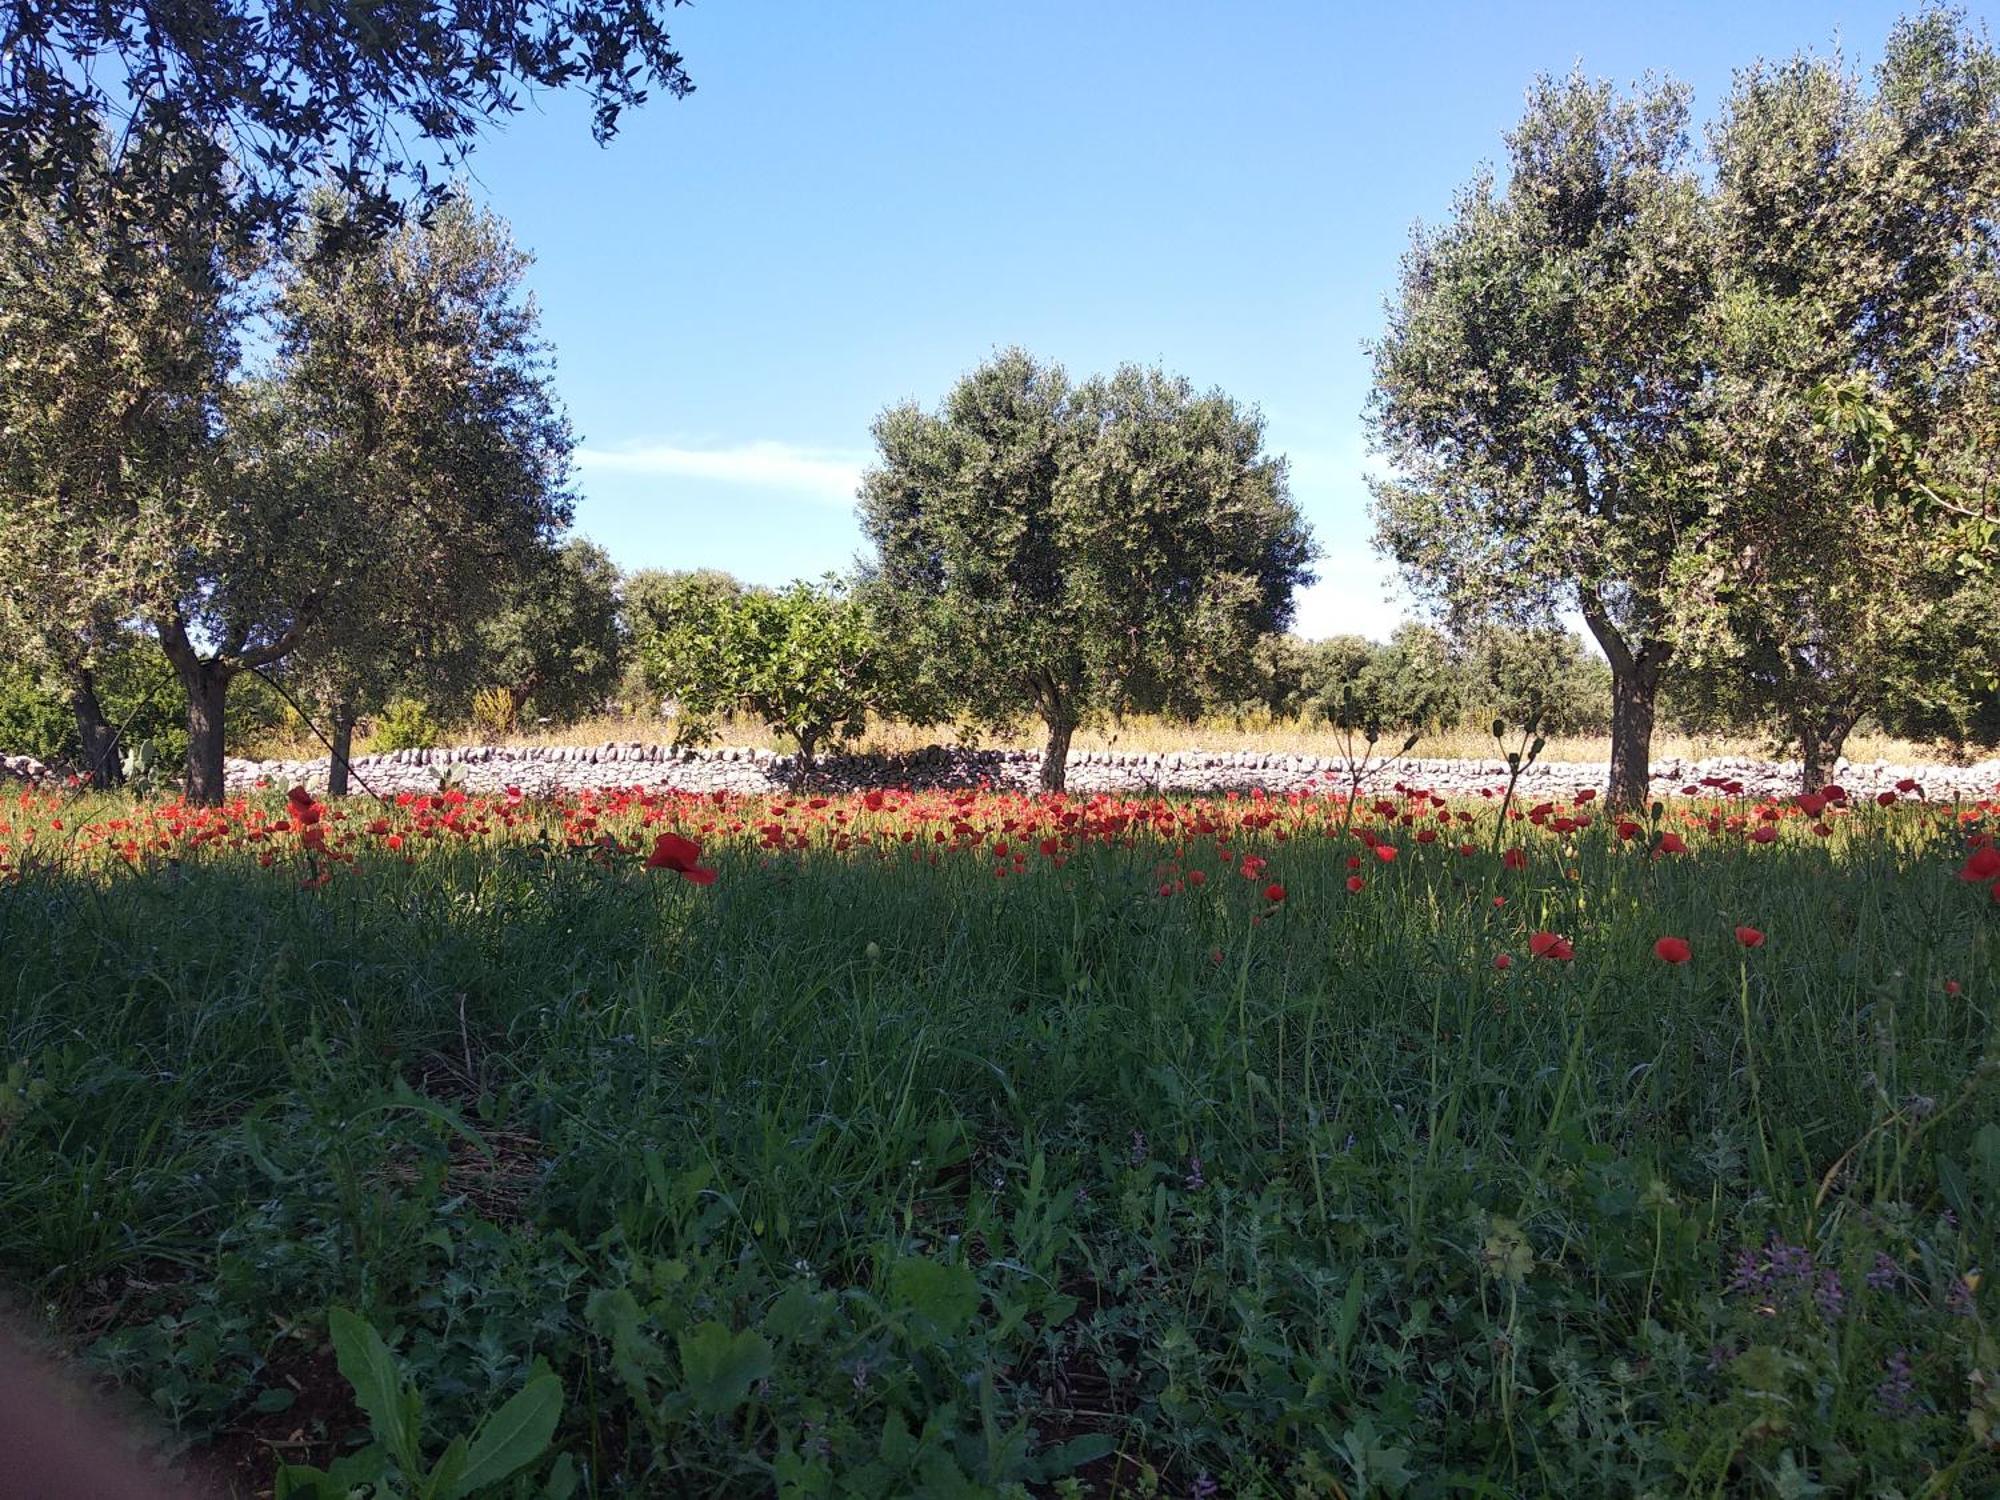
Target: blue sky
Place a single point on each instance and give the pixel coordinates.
(862, 200)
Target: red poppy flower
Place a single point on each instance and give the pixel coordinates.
(1628, 830)
(1908, 785)
(1550, 945)
(1515, 859)
(1673, 950)
(873, 801)
(1764, 833)
(1984, 864)
(1952, 987)
(1672, 843)
(1885, 799)
(672, 852)
(1749, 937)
(1355, 883)
(1274, 892)
(1502, 961)
(1385, 852)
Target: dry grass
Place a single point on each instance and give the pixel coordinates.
(1150, 735)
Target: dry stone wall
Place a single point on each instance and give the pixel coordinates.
(555, 769)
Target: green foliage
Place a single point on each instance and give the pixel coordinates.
(507, 1441)
(1513, 674)
(263, 101)
(1741, 423)
(806, 659)
(135, 688)
(33, 720)
(557, 643)
(404, 724)
(1074, 550)
(672, 620)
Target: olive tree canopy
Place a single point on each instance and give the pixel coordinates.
(1071, 550)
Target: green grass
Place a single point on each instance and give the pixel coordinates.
(860, 1176)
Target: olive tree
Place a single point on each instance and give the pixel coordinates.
(1536, 390)
(1853, 405)
(400, 457)
(557, 641)
(119, 319)
(1076, 549)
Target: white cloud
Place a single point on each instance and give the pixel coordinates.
(821, 474)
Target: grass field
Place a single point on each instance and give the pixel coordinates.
(983, 1145)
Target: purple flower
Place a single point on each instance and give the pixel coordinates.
(1139, 1148)
(1896, 1395)
(1830, 1295)
(1884, 1275)
(1195, 1181)
(1205, 1488)
(1750, 1274)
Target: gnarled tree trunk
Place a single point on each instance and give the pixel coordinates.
(1635, 688)
(343, 750)
(1055, 755)
(101, 766)
(1633, 694)
(207, 687)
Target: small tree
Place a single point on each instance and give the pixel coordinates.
(805, 660)
(558, 640)
(1077, 550)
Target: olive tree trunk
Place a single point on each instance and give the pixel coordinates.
(343, 750)
(95, 733)
(1633, 696)
(1055, 755)
(207, 684)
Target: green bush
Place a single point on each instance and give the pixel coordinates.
(33, 721)
(406, 724)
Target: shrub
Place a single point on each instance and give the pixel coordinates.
(406, 724)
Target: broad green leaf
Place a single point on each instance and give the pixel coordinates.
(514, 1436)
(366, 1364)
(943, 1296)
(720, 1367)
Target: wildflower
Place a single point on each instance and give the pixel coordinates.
(1195, 1181)
(1385, 852)
(1628, 830)
(1952, 987)
(1355, 883)
(1830, 1295)
(1673, 950)
(1983, 864)
(1274, 892)
(1672, 843)
(1515, 859)
(1502, 961)
(1140, 1150)
(1764, 833)
(1749, 937)
(1884, 1275)
(1550, 945)
(672, 852)
(1896, 1395)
